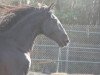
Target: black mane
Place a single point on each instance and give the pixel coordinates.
(12, 17)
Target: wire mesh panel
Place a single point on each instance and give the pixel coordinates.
(81, 56)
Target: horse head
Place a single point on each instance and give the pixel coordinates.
(53, 28)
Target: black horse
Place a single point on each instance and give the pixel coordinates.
(18, 30)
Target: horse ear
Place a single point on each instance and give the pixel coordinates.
(51, 6)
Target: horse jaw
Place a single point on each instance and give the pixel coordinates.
(62, 41)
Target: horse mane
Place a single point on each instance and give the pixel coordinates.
(8, 9)
(11, 15)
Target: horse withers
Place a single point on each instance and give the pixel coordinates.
(18, 32)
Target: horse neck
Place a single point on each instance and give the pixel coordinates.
(23, 33)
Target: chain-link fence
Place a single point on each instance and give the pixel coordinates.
(81, 56)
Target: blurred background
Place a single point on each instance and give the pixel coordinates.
(81, 19)
(81, 12)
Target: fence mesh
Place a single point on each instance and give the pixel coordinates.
(81, 56)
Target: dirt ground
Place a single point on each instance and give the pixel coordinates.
(35, 73)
